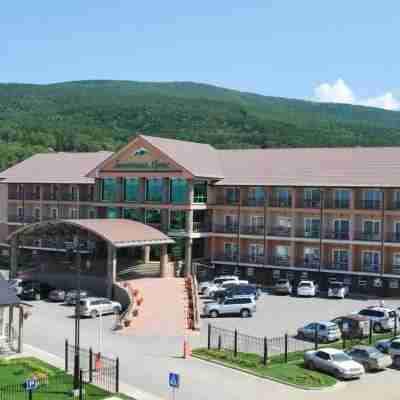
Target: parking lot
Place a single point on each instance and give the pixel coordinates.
(277, 315)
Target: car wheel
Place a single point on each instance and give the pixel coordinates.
(37, 296)
(245, 313)
(94, 314)
(211, 294)
(214, 314)
(310, 365)
(337, 374)
(300, 335)
(116, 310)
(378, 328)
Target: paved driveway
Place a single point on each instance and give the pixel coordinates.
(146, 360)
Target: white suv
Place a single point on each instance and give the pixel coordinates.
(338, 290)
(218, 280)
(245, 306)
(307, 288)
(96, 306)
(382, 318)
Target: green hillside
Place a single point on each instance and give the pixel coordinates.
(94, 115)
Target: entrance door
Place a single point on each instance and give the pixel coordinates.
(341, 229)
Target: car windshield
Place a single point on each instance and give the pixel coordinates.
(282, 282)
(373, 352)
(305, 284)
(339, 357)
(395, 345)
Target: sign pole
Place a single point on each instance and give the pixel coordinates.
(30, 394)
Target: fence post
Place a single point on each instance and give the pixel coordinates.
(209, 337)
(117, 376)
(219, 342)
(90, 365)
(66, 355)
(370, 332)
(286, 347)
(265, 360)
(236, 343)
(316, 338)
(80, 385)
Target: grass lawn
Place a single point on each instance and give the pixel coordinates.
(58, 387)
(293, 372)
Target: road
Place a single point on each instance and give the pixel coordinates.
(147, 360)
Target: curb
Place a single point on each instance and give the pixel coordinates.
(268, 378)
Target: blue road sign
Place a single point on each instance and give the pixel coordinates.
(174, 380)
(31, 384)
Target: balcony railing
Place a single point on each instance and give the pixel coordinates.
(226, 257)
(222, 200)
(396, 269)
(279, 261)
(395, 205)
(339, 204)
(284, 203)
(371, 268)
(312, 263)
(24, 196)
(226, 228)
(252, 229)
(313, 234)
(201, 227)
(254, 202)
(280, 231)
(367, 236)
(336, 266)
(369, 204)
(26, 219)
(252, 259)
(337, 235)
(307, 203)
(393, 237)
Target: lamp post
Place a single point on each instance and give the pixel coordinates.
(77, 317)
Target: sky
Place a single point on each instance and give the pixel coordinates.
(338, 51)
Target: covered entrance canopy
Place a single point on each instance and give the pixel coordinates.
(117, 233)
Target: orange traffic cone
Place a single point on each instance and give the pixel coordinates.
(187, 352)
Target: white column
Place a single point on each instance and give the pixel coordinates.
(188, 256)
(165, 273)
(111, 268)
(146, 254)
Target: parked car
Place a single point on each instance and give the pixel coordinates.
(307, 288)
(16, 284)
(326, 332)
(338, 290)
(382, 318)
(72, 296)
(384, 344)
(96, 306)
(237, 290)
(57, 295)
(243, 306)
(34, 290)
(394, 348)
(334, 362)
(282, 286)
(210, 290)
(353, 326)
(370, 358)
(216, 281)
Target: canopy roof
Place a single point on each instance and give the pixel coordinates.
(118, 232)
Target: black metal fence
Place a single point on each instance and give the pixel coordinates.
(96, 368)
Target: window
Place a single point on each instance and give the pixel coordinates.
(153, 217)
(396, 231)
(342, 198)
(232, 195)
(112, 212)
(257, 221)
(231, 220)
(371, 229)
(154, 189)
(131, 189)
(74, 193)
(340, 258)
(371, 198)
(20, 212)
(281, 197)
(109, 189)
(341, 228)
(256, 252)
(92, 213)
(371, 261)
(311, 256)
(73, 213)
(231, 250)
(54, 213)
(178, 190)
(311, 227)
(312, 197)
(282, 253)
(257, 196)
(200, 192)
(177, 220)
(322, 355)
(134, 214)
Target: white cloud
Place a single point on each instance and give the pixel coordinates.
(340, 92)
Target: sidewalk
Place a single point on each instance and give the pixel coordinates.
(135, 393)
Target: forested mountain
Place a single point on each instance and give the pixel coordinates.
(94, 115)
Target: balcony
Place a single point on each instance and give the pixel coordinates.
(252, 259)
(200, 227)
(283, 203)
(281, 231)
(279, 261)
(226, 228)
(313, 234)
(221, 199)
(395, 205)
(337, 204)
(369, 205)
(375, 268)
(396, 269)
(68, 197)
(337, 235)
(254, 202)
(393, 237)
(311, 263)
(26, 219)
(252, 230)
(336, 266)
(24, 196)
(367, 236)
(308, 203)
(226, 257)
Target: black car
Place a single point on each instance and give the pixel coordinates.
(34, 290)
(238, 290)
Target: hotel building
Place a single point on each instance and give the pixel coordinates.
(330, 213)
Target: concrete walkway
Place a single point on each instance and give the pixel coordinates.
(163, 309)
